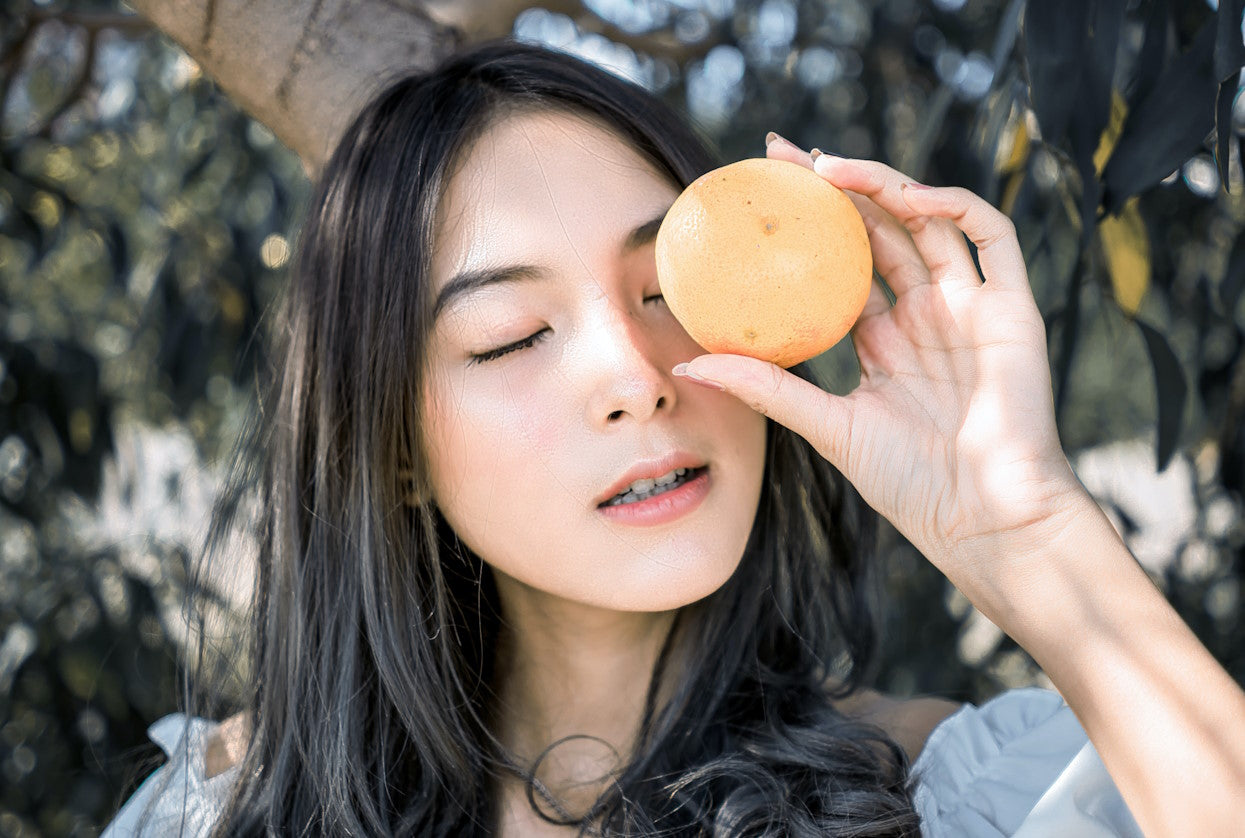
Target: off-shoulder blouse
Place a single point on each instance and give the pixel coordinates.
(1019, 764)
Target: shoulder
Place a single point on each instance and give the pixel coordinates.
(909, 721)
(179, 797)
(227, 744)
(1020, 759)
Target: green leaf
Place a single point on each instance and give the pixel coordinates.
(1229, 47)
(1170, 388)
(1168, 126)
(1152, 58)
(1055, 33)
(1223, 127)
(1091, 116)
(1229, 57)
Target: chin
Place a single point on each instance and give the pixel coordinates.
(667, 586)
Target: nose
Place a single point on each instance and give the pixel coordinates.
(630, 377)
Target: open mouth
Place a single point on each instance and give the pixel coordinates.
(682, 476)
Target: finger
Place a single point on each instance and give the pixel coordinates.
(895, 255)
(822, 418)
(780, 148)
(939, 242)
(991, 231)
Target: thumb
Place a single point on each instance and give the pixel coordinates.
(822, 418)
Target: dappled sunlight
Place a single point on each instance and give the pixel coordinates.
(148, 225)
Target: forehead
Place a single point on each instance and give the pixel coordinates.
(537, 186)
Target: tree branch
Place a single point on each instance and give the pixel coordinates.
(305, 40)
(661, 43)
(92, 23)
(302, 69)
(11, 62)
(76, 91)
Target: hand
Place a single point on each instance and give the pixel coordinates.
(951, 433)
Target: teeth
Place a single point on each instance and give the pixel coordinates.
(646, 484)
(642, 485)
(671, 477)
(647, 487)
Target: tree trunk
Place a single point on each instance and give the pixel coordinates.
(304, 67)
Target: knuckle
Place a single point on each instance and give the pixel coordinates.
(1000, 228)
(990, 214)
(771, 386)
(775, 380)
(917, 224)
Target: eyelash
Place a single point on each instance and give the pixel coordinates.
(506, 350)
(527, 342)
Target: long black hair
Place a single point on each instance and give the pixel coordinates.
(369, 685)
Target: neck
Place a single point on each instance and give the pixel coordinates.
(568, 669)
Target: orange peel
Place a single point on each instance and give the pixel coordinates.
(764, 258)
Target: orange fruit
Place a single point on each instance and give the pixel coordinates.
(764, 258)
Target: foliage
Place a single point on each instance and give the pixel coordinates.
(133, 273)
(145, 222)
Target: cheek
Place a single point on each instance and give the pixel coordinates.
(751, 432)
(680, 340)
(750, 428)
(745, 432)
(489, 446)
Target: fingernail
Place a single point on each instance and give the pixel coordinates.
(822, 161)
(815, 153)
(914, 185)
(771, 138)
(683, 371)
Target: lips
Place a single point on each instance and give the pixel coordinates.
(650, 469)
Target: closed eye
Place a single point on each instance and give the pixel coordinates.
(531, 340)
(494, 354)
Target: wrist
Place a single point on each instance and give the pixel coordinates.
(1042, 573)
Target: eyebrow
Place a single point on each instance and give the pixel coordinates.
(470, 281)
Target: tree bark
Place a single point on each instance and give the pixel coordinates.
(304, 67)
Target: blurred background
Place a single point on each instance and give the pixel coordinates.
(146, 223)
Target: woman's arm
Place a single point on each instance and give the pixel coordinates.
(1167, 720)
(951, 435)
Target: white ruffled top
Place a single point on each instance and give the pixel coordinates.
(1020, 765)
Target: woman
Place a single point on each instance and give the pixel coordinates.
(471, 619)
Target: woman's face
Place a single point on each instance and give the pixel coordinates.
(550, 219)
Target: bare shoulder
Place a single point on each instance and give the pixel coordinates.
(909, 721)
(227, 745)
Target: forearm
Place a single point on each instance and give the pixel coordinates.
(1167, 720)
